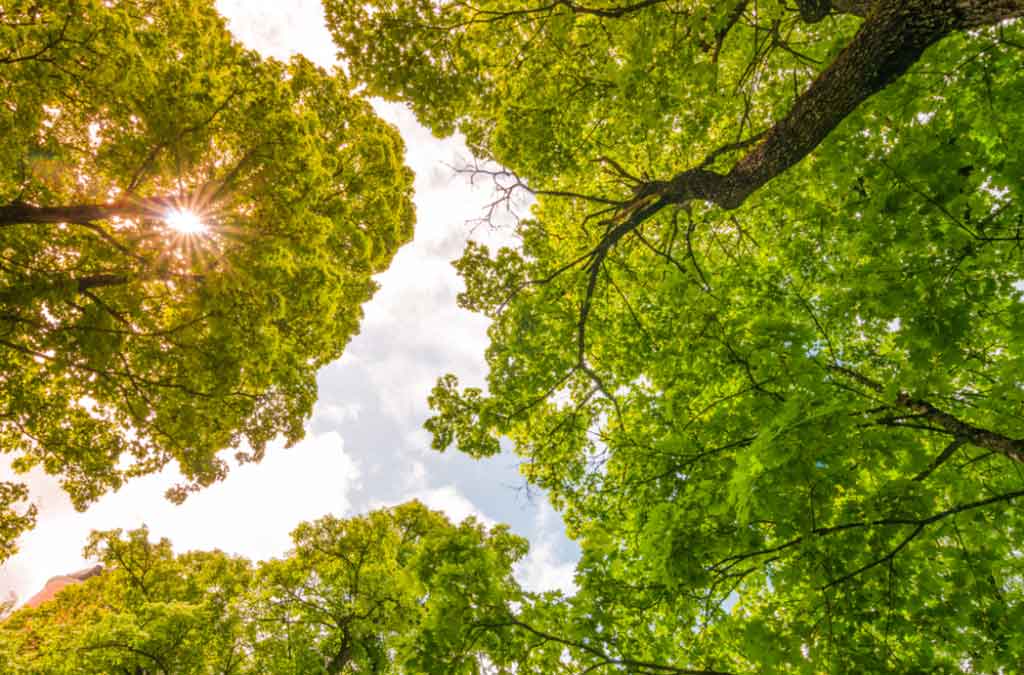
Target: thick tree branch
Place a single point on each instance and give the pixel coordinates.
(813, 11)
(26, 214)
(892, 38)
(983, 438)
(856, 7)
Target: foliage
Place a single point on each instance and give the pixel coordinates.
(12, 523)
(148, 611)
(124, 344)
(395, 591)
(762, 342)
(400, 590)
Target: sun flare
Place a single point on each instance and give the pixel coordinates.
(185, 221)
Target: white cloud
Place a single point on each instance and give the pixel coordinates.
(366, 446)
(280, 29)
(449, 501)
(416, 476)
(544, 569)
(335, 413)
(446, 499)
(251, 513)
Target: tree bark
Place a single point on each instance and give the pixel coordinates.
(25, 214)
(341, 659)
(891, 39)
(813, 11)
(1012, 448)
(855, 7)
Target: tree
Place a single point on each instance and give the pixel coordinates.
(149, 611)
(13, 523)
(762, 340)
(398, 590)
(187, 233)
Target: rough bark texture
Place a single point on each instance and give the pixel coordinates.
(341, 659)
(1012, 448)
(855, 7)
(891, 39)
(25, 214)
(813, 11)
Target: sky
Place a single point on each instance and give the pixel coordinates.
(365, 446)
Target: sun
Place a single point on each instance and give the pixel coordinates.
(185, 221)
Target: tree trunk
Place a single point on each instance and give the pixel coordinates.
(891, 39)
(24, 214)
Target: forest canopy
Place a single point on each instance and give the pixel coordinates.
(187, 232)
(396, 590)
(762, 341)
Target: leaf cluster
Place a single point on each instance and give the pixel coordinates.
(125, 345)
